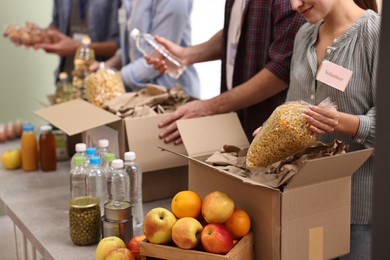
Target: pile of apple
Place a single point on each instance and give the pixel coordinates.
(205, 232)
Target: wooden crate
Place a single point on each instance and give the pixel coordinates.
(243, 250)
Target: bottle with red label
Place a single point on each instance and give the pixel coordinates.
(47, 149)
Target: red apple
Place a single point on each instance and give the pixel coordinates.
(120, 254)
(217, 207)
(158, 224)
(216, 239)
(186, 232)
(134, 245)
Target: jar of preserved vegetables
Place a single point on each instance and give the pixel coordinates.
(84, 220)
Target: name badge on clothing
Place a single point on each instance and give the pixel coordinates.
(334, 75)
(232, 56)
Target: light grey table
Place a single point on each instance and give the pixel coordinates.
(37, 203)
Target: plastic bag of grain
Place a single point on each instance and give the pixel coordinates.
(104, 85)
(284, 133)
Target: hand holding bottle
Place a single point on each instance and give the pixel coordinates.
(159, 63)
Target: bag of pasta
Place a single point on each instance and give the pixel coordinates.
(103, 85)
(284, 133)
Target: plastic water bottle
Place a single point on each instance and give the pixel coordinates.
(78, 177)
(90, 151)
(97, 182)
(102, 149)
(119, 183)
(107, 169)
(80, 149)
(148, 46)
(134, 171)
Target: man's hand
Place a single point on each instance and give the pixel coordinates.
(159, 63)
(192, 109)
(64, 45)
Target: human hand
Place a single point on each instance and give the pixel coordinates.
(159, 63)
(196, 108)
(63, 45)
(256, 131)
(322, 119)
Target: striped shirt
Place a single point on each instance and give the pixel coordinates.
(356, 50)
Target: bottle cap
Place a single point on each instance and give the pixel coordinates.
(103, 143)
(86, 40)
(130, 156)
(63, 75)
(79, 159)
(117, 164)
(94, 160)
(28, 127)
(109, 157)
(45, 128)
(134, 33)
(91, 151)
(81, 147)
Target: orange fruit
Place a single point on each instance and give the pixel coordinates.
(186, 203)
(239, 223)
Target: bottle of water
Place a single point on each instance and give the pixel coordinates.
(96, 182)
(148, 46)
(107, 170)
(90, 151)
(119, 182)
(134, 171)
(102, 149)
(78, 177)
(80, 151)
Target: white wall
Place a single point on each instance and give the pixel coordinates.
(25, 75)
(207, 19)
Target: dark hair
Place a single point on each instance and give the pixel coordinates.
(367, 4)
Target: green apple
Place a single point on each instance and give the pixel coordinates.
(107, 245)
(158, 224)
(186, 232)
(11, 159)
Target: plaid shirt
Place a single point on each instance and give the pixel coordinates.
(266, 41)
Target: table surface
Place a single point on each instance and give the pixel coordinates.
(37, 202)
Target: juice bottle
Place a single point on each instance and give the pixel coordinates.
(29, 148)
(47, 149)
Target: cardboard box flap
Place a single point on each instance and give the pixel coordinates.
(146, 146)
(76, 116)
(205, 135)
(342, 165)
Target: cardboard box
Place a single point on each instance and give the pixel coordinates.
(243, 250)
(164, 174)
(309, 219)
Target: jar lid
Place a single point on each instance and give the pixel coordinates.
(84, 202)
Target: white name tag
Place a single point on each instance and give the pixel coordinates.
(334, 75)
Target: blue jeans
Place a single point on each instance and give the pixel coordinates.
(360, 243)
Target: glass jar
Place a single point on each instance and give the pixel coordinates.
(84, 220)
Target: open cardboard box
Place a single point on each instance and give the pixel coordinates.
(243, 250)
(309, 219)
(164, 174)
